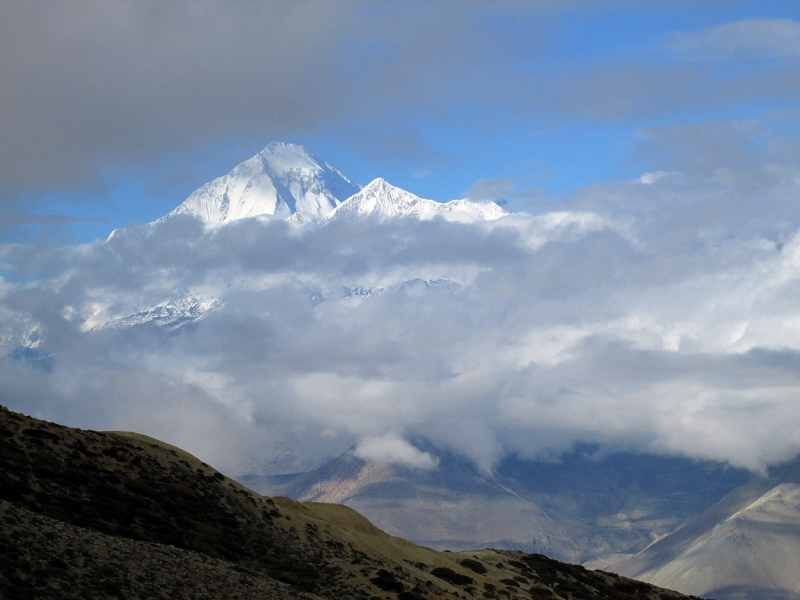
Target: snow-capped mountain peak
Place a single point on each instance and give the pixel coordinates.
(281, 180)
(381, 198)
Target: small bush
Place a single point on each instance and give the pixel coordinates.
(474, 565)
(447, 574)
(387, 582)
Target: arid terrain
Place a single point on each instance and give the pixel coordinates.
(743, 547)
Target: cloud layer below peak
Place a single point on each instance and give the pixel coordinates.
(656, 315)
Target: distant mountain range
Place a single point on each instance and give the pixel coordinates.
(576, 510)
(743, 547)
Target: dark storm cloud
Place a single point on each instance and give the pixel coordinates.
(614, 91)
(85, 82)
(88, 85)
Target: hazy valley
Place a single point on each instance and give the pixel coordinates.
(577, 509)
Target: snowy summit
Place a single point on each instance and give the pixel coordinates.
(282, 180)
(286, 180)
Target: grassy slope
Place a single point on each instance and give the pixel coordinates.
(152, 497)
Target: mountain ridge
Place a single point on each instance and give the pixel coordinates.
(286, 181)
(379, 197)
(742, 547)
(289, 182)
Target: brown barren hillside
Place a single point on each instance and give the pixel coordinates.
(90, 514)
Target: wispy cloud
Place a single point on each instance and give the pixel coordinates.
(760, 38)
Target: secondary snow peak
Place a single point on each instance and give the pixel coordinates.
(382, 199)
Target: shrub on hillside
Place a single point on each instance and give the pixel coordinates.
(447, 574)
(474, 565)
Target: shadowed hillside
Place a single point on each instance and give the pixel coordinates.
(93, 515)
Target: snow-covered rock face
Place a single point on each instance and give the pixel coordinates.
(281, 180)
(182, 309)
(285, 180)
(386, 200)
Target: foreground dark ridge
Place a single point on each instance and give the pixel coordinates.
(96, 515)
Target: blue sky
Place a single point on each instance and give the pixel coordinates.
(116, 113)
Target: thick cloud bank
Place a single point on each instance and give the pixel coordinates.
(656, 315)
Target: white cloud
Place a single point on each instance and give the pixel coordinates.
(651, 178)
(393, 450)
(656, 317)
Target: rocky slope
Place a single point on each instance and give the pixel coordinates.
(47, 558)
(93, 515)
